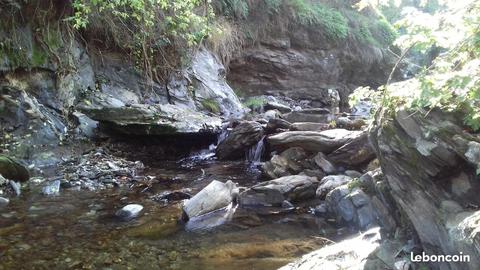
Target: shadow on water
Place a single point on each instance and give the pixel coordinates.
(78, 229)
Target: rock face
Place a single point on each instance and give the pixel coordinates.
(238, 140)
(13, 170)
(214, 196)
(429, 163)
(304, 64)
(312, 141)
(274, 192)
(348, 254)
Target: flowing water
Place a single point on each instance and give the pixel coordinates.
(78, 229)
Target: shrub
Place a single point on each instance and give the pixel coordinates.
(254, 103)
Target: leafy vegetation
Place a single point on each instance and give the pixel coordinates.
(307, 13)
(452, 83)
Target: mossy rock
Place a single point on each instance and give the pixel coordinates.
(13, 170)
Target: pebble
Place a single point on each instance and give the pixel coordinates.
(129, 211)
(4, 202)
(52, 188)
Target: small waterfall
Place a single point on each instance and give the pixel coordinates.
(254, 154)
(223, 135)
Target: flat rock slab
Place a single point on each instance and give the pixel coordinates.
(274, 192)
(312, 141)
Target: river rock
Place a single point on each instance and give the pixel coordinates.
(239, 140)
(309, 126)
(351, 124)
(214, 196)
(317, 115)
(356, 151)
(129, 211)
(290, 161)
(52, 188)
(324, 164)
(12, 170)
(312, 141)
(4, 202)
(272, 105)
(275, 124)
(330, 182)
(292, 188)
(347, 254)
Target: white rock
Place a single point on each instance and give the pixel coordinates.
(129, 211)
(214, 196)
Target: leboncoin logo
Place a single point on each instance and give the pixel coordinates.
(439, 258)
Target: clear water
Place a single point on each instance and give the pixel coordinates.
(78, 229)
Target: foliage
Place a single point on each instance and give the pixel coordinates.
(307, 13)
(452, 83)
(236, 9)
(146, 28)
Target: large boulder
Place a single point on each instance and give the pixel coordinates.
(239, 140)
(312, 141)
(214, 196)
(13, 170)
(141, 119)
(274, 192)
(430, 163)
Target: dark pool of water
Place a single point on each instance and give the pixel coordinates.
(78, 229)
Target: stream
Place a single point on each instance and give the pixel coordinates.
(79, 229)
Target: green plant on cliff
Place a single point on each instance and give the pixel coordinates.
(309, 13)
(156, 33)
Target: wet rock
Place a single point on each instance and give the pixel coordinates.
(292, 188)
(312, 141)
(352, 173)
(12, 170)
(330, 182)
(320, 210)
(17, 187)
(288, 205)
(175, 195)
(356, 151)
(271, 114)
(316, 115)
(324, 164)
(86, 126)
(290, 161)
(272, 105)
(52, 188)
(309, 126)
(347, 254)
(276, 124)
(238, 140)
(4, 202)
(351, 124)
(214, 196)
(129, 211)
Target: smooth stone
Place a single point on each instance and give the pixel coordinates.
(16, 187)
(52, 188)
(4, 202)
(129, 211)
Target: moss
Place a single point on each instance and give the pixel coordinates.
(211, 105)
(254, 103)
(39, 56)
